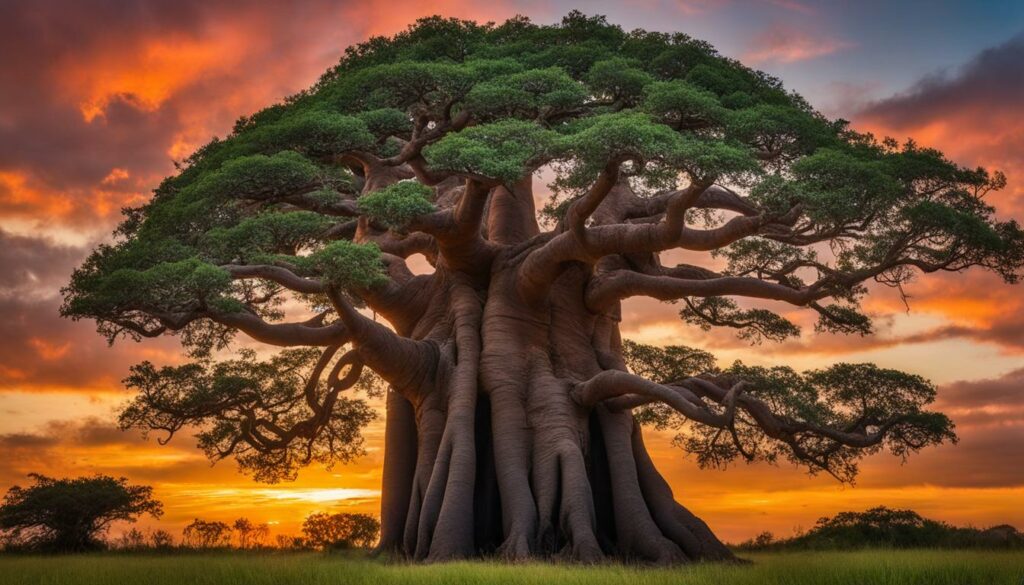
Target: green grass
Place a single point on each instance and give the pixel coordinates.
(923, 567)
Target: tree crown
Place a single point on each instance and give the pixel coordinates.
(654, 142)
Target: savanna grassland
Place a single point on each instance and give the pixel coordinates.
(924, 567)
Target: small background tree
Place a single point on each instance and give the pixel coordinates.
(289, 542)
(161, 540)
(250, 535)
(340, 531)
(203, 534)
(70, 515)
(133, 539)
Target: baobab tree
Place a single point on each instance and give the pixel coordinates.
(514, 407)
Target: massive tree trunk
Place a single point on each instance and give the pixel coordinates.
(493, 451)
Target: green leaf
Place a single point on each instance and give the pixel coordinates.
(618, 79)
(683, 105)
(348, 265)
(527, 94)
(397, 204)
(505, 151)
(320, 133)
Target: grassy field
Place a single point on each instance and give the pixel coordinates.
(833, 568)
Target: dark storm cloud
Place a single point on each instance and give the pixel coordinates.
(26, 441)
(41, 127)
(989, 415)
(62, 151)
(41, 349)
(1002, 397)
(33, 264)
(1007, 332)
(63, 445)
(89, 432)
(993, 79)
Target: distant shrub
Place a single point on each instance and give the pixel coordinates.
(340, 531)
(161, 540)
(889, 528)
(133, 539)
(203, 534)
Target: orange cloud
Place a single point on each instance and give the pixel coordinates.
(18, 193)
(47, 350)
(972, 114)
(149, 73)
(30, 205)
(115, 176)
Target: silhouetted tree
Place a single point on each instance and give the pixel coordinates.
(513, 421)
(285, 541)
(250, 535)
(71, 514)
(161, 539)
(259, 535)
(132, 539)
(327, 531)
(762, 540)
(204, 534)
(880, 526)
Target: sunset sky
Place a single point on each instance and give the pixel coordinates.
(99, 97)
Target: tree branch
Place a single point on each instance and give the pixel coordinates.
(406, 364)
(457, 230)
(283, 334)
(606, 289)
(615, 383)
(280, 275)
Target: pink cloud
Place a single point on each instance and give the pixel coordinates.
(783, 44)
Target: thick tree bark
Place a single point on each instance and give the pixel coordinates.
(503, 446)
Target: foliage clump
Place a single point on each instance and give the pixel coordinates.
(348, 265)
(503, 151)
(325, 531)
(396, 205)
